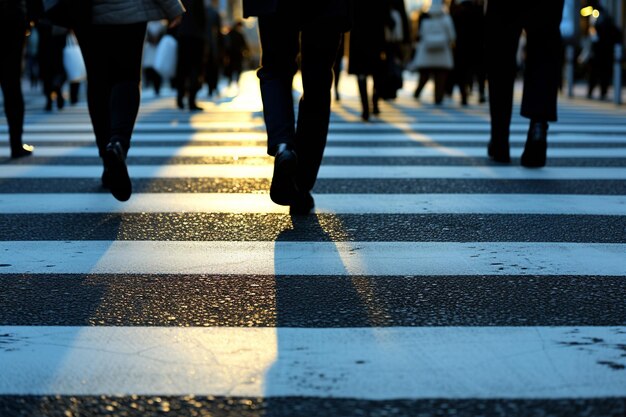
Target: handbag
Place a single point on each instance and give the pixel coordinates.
(434, 36)
(166, 57)
(73, 60)
(68, 13)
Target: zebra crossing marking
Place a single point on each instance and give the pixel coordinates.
(366, 363)
(313, 258)
(598, 205)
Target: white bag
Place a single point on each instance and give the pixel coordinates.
(73, 60)
(166, 57)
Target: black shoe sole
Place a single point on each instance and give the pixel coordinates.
(283, 190)
(119, 181)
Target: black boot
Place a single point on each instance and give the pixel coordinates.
(534, 155)
(283, 189)
(21, 151)
(116, 171)
(498, 148)
(365, 114)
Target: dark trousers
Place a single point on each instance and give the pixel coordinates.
(283, 35)
(11, 47)
(112, 56)
(505, 20)
(439, 75)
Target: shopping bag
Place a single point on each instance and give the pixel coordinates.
(73, 60)
(166, 57)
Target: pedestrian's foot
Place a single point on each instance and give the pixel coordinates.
(115, 163)
(180, 104)
(534, 155)
(303, 204)
(283, 189)
(60, 101)
(498, 151)
(24, 150)
(195, 107)
(105, 179)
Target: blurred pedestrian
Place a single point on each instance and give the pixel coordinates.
(338, 66)
(14, 23)
(397, 43)
(468, 19)
(236, 49)
(505, 20)
(604, 35)
(191, 36)
(215, 47)
(286, 28)
(154, 32)
(52, 40)
(434, 49)
(111, 37)
(367, 48)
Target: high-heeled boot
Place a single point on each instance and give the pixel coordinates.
(498, 147)
(536, 147)
(365, 113)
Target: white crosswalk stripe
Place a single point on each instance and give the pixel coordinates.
(63, 353)
(325, 203)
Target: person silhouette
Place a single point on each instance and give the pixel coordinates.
(505, 20)
(286, 28)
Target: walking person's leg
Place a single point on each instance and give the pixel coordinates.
(113, 94)
(502, 37)
(541, 78)
(424, 75)
(279, 36)
(319, 49)
(11, 47)
(365, 107)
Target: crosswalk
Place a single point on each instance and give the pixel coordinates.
(430, 281)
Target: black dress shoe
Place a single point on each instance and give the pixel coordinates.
(105, 179)
(60, 101)
(534, 155)
(498, 151)
(24, 150)
(303, 204)
(283, 189)
(115, 164)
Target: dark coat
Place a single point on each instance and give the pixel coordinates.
(337, 10)
(367, 37)
(193, 24)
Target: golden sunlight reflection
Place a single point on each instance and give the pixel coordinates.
(426, 140)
